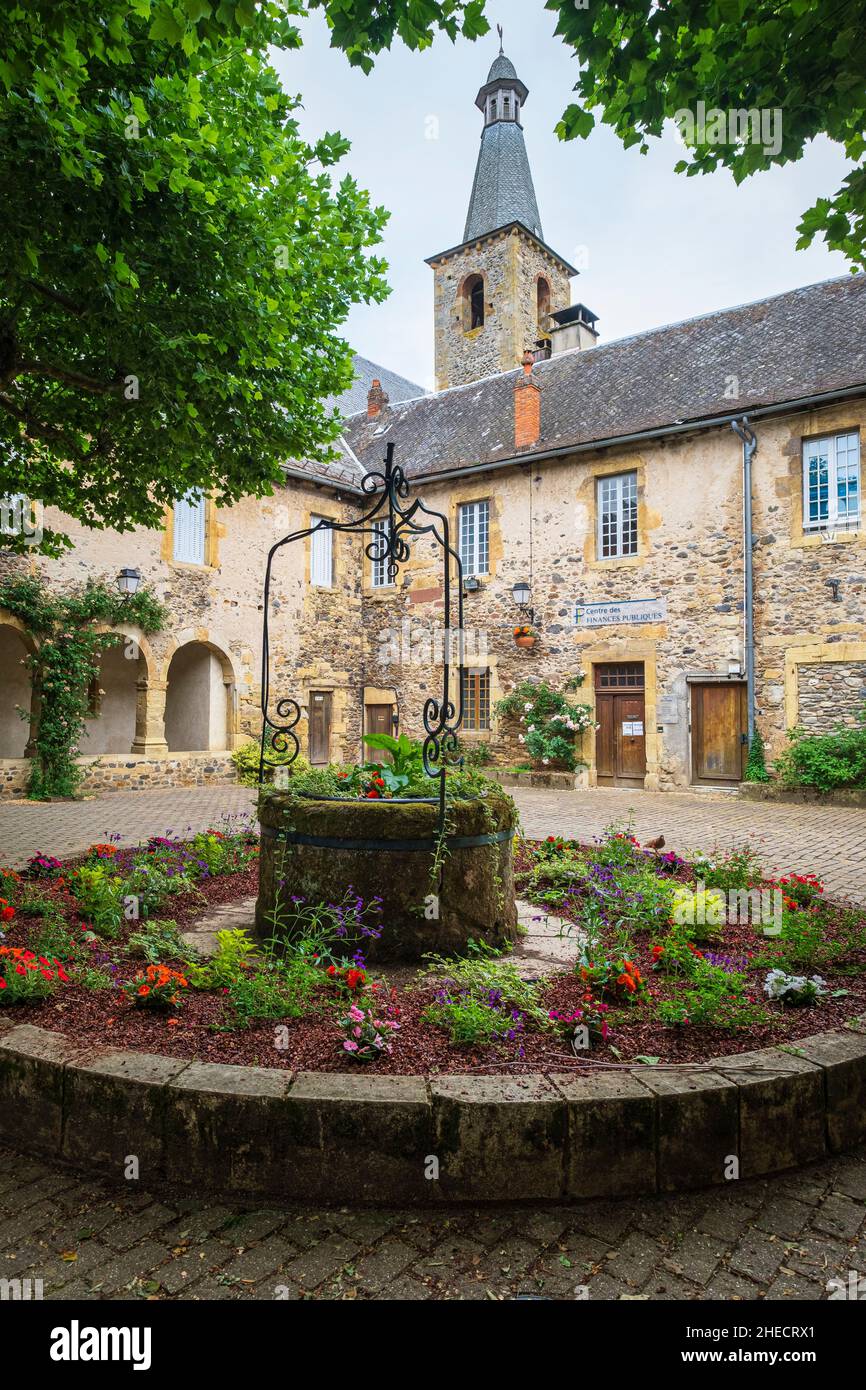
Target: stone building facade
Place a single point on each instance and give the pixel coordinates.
(607, 478)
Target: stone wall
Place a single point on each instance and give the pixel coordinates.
(831, 693)
(511, 265)
(379, 645)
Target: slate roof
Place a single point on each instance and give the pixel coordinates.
(346, 470)
(502, 191)
(805, 342)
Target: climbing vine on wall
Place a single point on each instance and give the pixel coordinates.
(549, 722)
(65, 629)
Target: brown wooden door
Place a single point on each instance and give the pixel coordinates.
(620, 742)
(719, 732)
(320, 726)
(378, 721)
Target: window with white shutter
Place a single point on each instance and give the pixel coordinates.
(189, 529)
(321, 555)
(474, 535)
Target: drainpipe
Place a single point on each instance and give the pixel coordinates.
(750, 446)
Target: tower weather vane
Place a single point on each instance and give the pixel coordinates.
(499, 32)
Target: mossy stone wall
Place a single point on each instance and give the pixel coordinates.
(473, 892)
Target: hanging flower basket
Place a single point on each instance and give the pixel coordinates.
(525, 636)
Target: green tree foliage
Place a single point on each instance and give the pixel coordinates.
(641, 63)
(175, 260)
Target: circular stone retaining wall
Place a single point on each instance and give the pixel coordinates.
(315, 849)
(310, 1136)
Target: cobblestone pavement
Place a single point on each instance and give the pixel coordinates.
(779, 1239)
(828, 840)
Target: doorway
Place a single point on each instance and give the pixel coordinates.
(620, 741)
(320, 726)
(378, 721)
(719, 732)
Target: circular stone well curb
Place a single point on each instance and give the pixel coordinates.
(326, 1136)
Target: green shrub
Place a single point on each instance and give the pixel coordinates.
(825, 761)
(156, 940)
(246, 760)
(549, 722)
(483, 999)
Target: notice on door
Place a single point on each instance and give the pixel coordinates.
(632, 728)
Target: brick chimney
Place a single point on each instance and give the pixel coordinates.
(377, 399)
(527, 407)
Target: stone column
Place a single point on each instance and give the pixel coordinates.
(150, 717)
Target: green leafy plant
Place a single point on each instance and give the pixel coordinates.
(756, 763)
(825, 762)
(157, 940)
(26, 977)
(549, 721)
(735, 868)
(157, 987)
(232, 958)
(482, 998)
(246, 760)
(99, 891)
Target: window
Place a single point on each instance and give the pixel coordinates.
(379, 573)
(831, 482)
(321, 555)
(617, 515)
(543, 304)
(189, 529)
(474, 533)
(476, 699)
(473, 303)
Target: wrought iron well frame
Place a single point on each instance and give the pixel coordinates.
(443, 717)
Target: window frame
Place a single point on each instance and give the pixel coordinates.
(834, 520)
(480, 539)
(625, 547)
(321, 537)
(476, 705)
(379, 577)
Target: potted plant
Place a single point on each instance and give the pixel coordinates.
(525, 635)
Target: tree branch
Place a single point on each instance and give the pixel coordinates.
(35, 429)
(84, 383)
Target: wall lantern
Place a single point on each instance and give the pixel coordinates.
(127, 582)
(735, 670)
(521, 593)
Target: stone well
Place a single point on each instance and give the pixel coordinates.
(317, 848)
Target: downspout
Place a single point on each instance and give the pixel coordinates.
(750, 446)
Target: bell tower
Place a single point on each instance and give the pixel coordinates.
(495, 292)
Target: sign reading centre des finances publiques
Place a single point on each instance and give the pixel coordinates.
(633, 610)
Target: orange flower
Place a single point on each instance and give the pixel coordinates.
(144, 990)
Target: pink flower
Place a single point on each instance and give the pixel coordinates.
(356, 1032)
(350, 1046)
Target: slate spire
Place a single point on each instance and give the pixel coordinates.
(502, 191)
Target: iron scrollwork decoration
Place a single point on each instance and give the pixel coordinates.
(390, 522)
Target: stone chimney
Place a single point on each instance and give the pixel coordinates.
(377, 399)
(573, 328)
(527, 407)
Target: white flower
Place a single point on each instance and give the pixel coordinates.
(545, 761)
(528, 705)
(520, 738)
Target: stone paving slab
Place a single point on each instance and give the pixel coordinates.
(781, 1239)
(824, 839)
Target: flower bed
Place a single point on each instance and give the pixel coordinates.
(657, 975)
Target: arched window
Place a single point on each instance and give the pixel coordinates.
(473, 303)
(542, 303)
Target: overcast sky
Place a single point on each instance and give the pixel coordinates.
(659, 246)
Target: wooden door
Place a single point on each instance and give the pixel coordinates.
(719, 732)
(620, 741)
(378, 721)
(320, 726)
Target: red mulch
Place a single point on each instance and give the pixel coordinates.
(202, 1030)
